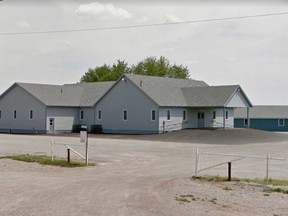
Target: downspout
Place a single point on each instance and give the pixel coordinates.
(158, 120)
(94, 116)
(224, 118)
(46, 129)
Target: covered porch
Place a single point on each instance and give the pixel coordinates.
(215, 109)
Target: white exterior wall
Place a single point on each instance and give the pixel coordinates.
(176, 118)
(219, 121)
(21, 101)
(65, 118)
(176, 121)
(209, 121)
(238, 100)
(126, 96)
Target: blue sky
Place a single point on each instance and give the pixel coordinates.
(251, 52)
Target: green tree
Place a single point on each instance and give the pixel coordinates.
(150, 66)
(106, 72)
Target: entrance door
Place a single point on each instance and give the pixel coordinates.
(51, 125)
(201, 119)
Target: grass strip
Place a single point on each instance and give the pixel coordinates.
(274, 182)
(45, 160)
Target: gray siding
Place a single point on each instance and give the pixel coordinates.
(126, 96)
(218, 121)
(21, 101)
(176, 121)
(64, 118)
(89, 116)
(238, 100)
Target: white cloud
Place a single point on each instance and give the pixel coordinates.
(172, 18)
(23, 24)
(103, 11)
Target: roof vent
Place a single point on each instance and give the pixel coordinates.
(141, 83)
(61, 90)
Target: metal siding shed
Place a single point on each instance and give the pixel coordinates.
(263, 118)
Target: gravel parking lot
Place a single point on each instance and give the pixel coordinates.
(140, 177)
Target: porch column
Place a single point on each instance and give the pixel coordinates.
(224, 123)
(248, 117)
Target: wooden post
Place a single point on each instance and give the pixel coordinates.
(68, 155)
(229, 171)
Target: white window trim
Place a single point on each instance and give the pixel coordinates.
(14, 114)
(81, 114)
(153, 110)
(169, 115)
(30, 114)
(281, 125)
(98, 114)
(123, 115)
(183, 115)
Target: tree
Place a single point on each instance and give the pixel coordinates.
(106, 72)
(161, 67)
(151, 66)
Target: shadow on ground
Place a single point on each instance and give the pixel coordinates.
(215, 136)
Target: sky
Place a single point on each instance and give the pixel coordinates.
(251, 52)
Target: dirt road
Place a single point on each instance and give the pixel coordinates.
(136, 177)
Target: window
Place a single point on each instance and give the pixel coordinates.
(281, 122)
(153, 115)
(14, 114)
(99, 115)
(184, 115)
(168, 115)
(214, 114)
(81, 114)
(245, 122)
(226, 114)
(30, 114)
(125, 115)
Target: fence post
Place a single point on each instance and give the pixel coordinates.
(86, 152)
(52, 150)
(229, 171)
(197, 161)
(267, 168)
(68, 155)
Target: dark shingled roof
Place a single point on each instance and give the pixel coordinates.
(210, 96)
(70, 95)
(163, 91)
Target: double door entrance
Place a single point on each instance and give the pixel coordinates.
(200, 119)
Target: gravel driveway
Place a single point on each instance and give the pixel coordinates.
(137, 177)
